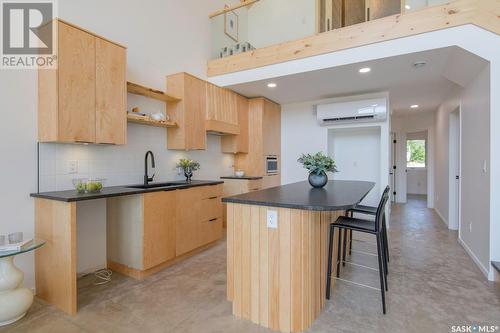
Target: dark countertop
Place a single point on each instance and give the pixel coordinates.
(336, 195)
(243, 178)
(117, 191)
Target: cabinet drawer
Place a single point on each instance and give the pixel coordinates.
(210, 208)
(254, 185)
(210, 231)
(206, 192)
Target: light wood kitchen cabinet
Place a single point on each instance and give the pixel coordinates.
(148, 232)
(111, 122)
(159, 228)
(199, 217)
(189, 113)
(238, 143)
(83, 100)
(141, 229)
(221, 110)
(264, 124)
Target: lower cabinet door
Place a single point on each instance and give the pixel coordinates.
(210, 231)
(187, 226)
(159, 236)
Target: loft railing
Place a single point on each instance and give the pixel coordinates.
(252, 24)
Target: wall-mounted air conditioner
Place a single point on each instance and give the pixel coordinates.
(373, 110)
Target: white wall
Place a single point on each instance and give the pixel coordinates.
(163, 37)
(356, 152)
(474, 103)
(402, 125)
(301, 133)
(276, 21)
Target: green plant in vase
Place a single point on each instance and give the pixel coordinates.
(188, 166)
(318, 165)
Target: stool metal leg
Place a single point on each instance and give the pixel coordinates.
(344, 247)
(338, 251)
(330, 254)
(381, 270)
(386, 239)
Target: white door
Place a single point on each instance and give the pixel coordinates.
(454, 170)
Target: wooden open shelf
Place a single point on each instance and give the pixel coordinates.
(137, 89)
(150, 122)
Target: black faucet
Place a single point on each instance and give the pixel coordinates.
(147, 179)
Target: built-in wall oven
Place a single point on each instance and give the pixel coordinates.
(272, 165)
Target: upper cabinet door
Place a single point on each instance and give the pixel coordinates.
(76, 83)
(271, 128)
(111, 89)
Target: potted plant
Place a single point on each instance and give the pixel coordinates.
(188, 166)
(318, 165)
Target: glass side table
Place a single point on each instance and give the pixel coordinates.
(15, 300)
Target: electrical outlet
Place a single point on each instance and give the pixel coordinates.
(272, 219)
(72, 167)
(470, 226)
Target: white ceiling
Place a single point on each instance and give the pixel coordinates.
(427, 86)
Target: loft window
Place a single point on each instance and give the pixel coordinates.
(416, 155)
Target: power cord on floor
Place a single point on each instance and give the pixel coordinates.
(102, 276)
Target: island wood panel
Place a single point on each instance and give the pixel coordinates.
(277, 277)
(484, 13)
(55, 262)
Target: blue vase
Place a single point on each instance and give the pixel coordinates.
(318, 180)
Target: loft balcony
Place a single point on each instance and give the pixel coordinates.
(252, 34)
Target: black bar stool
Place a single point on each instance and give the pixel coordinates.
(368, 210)
(365, 226)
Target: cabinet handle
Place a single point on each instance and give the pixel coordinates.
(214, 219)
(212, 198)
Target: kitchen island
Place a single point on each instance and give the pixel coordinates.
(277, 245)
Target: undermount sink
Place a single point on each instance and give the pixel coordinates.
(157, 185)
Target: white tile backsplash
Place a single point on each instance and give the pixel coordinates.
(121, 165)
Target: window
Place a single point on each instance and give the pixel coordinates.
(416, 154)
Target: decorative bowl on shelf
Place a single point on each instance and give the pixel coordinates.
(239, 173)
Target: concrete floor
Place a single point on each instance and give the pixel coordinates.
(433, 284)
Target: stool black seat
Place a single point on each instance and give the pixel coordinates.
(366, 226)
(355, 224)
(370, 210)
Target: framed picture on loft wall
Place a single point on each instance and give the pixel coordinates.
(231, 25)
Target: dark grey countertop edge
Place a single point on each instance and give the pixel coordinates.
(242, 178)
(240, 199)
(291, 206)
(72, 196)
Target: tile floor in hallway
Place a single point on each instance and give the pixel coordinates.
(433, 284)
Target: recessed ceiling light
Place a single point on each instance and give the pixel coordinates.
(272, 85)
(408, 7)
(414, 106)
(365, 70)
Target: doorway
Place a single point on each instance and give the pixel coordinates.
(454, 169)
(417, 164)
